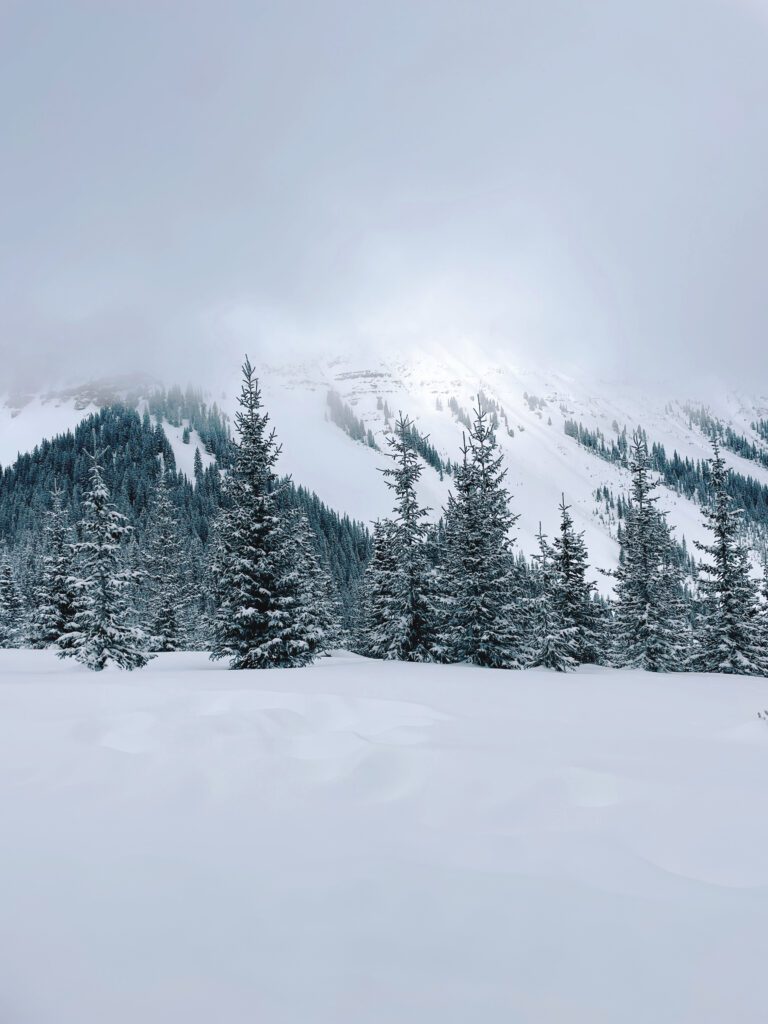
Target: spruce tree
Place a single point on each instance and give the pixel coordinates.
(650, 623)
(259, 622)
(574, 591)
(166, 574)
(100, 631)
(318, 603)
(55, 602)
(482, 621)
(553, 643)
(764, 610)
(377, 593)
(198, 467)
(407, 623)
(12, 620)
(728, 632)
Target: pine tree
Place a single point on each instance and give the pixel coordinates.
(574, 591)
(407, 615)
(55, 603)
(764, 610)
(259, 622)
(650, 623)
(554, 641)
(318, 603)
(212, 594)
(100, 632)
(728, 633)
(377, 593)
(198, 467)
(166, 575)
(482, 610)
(12, 624)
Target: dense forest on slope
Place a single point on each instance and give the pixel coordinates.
(693, 479)
(136, 447)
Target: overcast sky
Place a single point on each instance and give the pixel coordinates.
(582, 180)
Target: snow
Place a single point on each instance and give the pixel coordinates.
(543, 462)
(21, 429)
(185, 453)
(370, 842)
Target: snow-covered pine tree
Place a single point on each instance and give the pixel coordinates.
(764, 609)
(100, 632)
(12, 618)
(377, 593)
(650, 627)
(259, 622)
(318, 603)
(406, 615)
(728, 632)
(576, 608)
(166, 584)
(553, 643)
(55, 594)
(211, 586)
(482, 606)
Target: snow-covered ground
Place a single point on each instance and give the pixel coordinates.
(365, 842)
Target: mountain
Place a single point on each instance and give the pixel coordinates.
(560, 434)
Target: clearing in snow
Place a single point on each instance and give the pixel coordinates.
(369, 842)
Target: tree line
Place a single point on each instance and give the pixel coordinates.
(464, 597)
(452, 591)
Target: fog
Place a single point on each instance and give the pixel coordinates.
(564, 180)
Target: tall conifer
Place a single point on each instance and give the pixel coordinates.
(650, 624)
(12, 619)
(482, 607)
(728, 633)
(55, 603)
(100, 632)
(259, 621)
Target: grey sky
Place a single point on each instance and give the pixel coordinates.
(584, 179)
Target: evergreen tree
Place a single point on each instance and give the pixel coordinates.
(574, 591)
(407, 617)
(212, 594)
(650, 623)
(11, 606)
(55, 599)
(554, 640)
(377, 593)
(100, 631)
(166, 575)
(259, 622)
(728, 633)
(764, 610)
(198, 467)
(482, 619)
(131, 474)
(319, 604)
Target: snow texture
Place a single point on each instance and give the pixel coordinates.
(369, 842)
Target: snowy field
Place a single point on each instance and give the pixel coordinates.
(364, 842)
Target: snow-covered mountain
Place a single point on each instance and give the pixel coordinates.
(533, 405)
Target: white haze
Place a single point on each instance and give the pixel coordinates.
(570, 181)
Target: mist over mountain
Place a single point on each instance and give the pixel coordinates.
(572, 184)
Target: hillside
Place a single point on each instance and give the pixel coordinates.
(335, 448)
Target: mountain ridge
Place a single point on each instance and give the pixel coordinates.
(532, 405)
